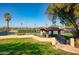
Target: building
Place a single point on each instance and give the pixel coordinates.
(50, 31)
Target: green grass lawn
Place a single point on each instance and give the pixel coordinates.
(28, 47)
(68, 34)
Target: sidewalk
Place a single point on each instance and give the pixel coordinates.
(67, 48)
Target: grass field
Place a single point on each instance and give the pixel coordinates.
(68, 34)
(28, 46)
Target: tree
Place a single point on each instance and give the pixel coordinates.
(67, 12)
(7, 17)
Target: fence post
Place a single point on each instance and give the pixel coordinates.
(72, 43)
(54, 41)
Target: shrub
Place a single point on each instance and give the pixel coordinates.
(21, 32)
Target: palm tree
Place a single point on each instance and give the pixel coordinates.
(7, 17)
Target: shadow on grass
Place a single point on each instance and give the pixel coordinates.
(30, 49)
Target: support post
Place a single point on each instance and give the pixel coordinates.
(47, 35)
(41, 33)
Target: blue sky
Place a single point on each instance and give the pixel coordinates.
(28, 14)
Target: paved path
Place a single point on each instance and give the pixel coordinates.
(27, 36)
(58, 45)
(67, 48)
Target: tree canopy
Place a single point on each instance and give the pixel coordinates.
(67, 12)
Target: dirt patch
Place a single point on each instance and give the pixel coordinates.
(12, 40)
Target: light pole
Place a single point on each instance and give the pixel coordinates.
(21, 25)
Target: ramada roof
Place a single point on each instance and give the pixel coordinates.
(51, 29)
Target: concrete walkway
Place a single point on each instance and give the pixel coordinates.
(27, 36)
(52, 40)
(67, 48)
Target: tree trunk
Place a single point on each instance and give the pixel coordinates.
(7, 28)
(76, 27)
(77, 30)
(77, 33)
